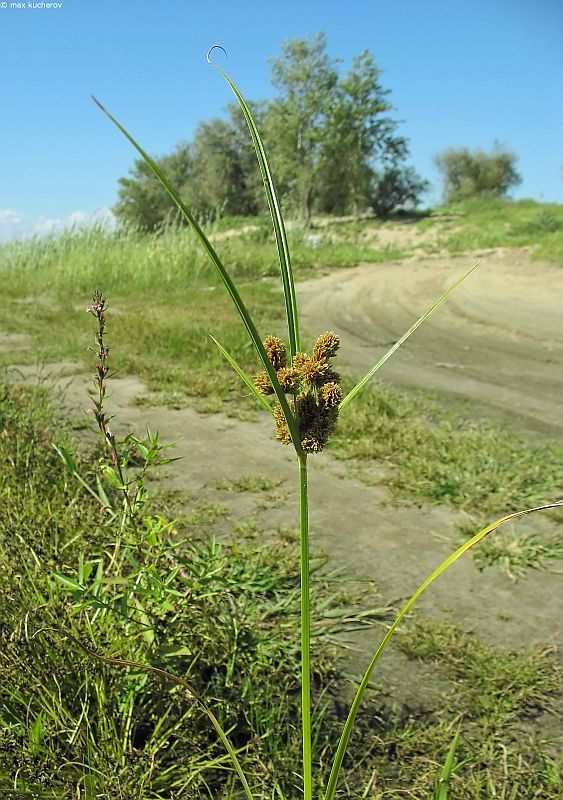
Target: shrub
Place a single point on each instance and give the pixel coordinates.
(469, 173)
(396, 187)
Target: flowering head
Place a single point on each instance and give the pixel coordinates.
(313, 387)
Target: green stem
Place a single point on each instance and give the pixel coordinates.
(305, 630)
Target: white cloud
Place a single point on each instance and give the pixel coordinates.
(10, 216)
(14, 224)
(46, 225)
(76, 219)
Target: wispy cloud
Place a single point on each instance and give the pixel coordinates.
(14, 224)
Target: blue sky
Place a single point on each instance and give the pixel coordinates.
(461, 73)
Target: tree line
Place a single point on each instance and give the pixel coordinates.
(332, 140)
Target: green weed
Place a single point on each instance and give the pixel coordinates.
(225, 617)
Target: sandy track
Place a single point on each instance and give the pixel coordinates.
(495, 348)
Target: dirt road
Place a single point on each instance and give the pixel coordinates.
(494, 349)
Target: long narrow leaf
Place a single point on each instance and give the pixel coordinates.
(162, 673)
(347, 730)
(447, 771)
(275, 212)
(242, 374)
(359, 386)
(225, 277)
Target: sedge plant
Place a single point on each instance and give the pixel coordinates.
(307, 400)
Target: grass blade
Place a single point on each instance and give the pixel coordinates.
(225, 277)
(242, 374)
(162, 673)
(447, 770)
(277, 219)
(347, 730)
(359, 386)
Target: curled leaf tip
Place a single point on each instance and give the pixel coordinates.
(211, 49)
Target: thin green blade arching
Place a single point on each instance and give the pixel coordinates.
(242, 374)
(277, 218)
(225, 277)
(349, 724)
(359, 386)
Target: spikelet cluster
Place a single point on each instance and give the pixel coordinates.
(312, 383)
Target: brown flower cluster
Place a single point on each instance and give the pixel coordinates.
(313, 385)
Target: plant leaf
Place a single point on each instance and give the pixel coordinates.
(225, 277)
(242, 374)
(66, 457)
(36, 735)
(349, 724)
(359, 386)
(277, 218)
(447, 771)
(68, 583)
(112, 477)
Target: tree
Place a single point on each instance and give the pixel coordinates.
(395, 187)
(306, 76)
(226, 175)
(355, 154)
(359, 134)
(142, 201)
(216, 173)
(472, 173)
(333, 144)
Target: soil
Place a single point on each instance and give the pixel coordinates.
(495, 349)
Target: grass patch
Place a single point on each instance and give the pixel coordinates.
(226, 618)
(249, 483)
(410, 752)
(495, 697)
(73, 727)
(491, 684)
(485, 223)
(515, 553)
(437, 457)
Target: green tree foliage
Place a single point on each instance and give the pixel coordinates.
(359, 136)
(469, 173)
(395, 187)
(226, 175)
(142, 202)
(298, 120)
(216, 173)
(333, 145)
